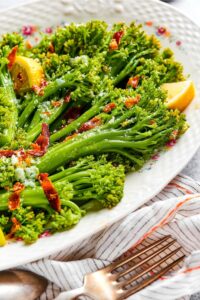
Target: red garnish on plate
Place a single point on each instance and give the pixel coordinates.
(50, 191)
(133, 81)
(118, 35)
(109, 107)
(41, 145)
(12, 57)
(94, 122)
(14, 199)
(130, 102)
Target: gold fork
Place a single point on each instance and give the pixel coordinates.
(128, 275)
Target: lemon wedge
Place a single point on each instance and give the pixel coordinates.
(2, 238)
(26, 72)
(179, 94)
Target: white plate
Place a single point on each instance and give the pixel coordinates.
(141, 186)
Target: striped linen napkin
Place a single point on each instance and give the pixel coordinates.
(174, 211)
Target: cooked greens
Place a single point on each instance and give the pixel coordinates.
(98, 113)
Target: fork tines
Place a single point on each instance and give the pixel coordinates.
(154, 255)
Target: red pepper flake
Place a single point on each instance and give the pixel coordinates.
(50, 191)
(70, 137)
(96, 121)
(109, 107)
(56, 103)
(28, 44)
(67, 98)
(28, 30)
(14, 199)
(149, 23)
(161, 30)
(51, 48)
(41, 145)
(152, 122)
(130, 102)
(118, 35)
(12, 57)
(133, 81)
(47, 113)
(113, 45)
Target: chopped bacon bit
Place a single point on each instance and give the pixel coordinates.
(113, 45)
(7, 153)
(41, 145)
(50, 191)
(133, 81)
(118, 35)
(109, 107)
(56, 103)
(70, 137)
(90, 124)
(67, 98)
(12, 57)
(130, 102)
(14, 199)
(51, 48)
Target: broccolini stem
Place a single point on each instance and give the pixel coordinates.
(35, 131)
(95, 109)
(131, 65)
(35, 120)
(66, 81)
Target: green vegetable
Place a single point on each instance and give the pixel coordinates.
(8, 102)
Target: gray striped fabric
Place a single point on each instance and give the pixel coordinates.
(174, 211)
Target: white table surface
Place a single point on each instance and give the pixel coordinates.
(190, 8)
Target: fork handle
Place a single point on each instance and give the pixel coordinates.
(71, 295)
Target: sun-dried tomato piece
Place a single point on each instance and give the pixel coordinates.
(12, 57)
(41, 145)
(50, 191)
(133, 81)
(14, 199)
(130, 102)
(118, 35)
(109, 107)
(90, 124)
